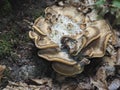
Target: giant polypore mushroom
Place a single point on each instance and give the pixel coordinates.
(61, 39)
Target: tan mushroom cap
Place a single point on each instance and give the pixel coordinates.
(41, 42)
(69, 11)
(61, 57)
(65, 69)
(41, 26)
(70, 70)
(98, 47)
(39, 35)
(91, 33)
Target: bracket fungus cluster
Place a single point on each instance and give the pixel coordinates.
(68, 38)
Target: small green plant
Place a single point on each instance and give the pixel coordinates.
(5, 47)
(109, 6)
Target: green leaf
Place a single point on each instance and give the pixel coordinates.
(100, 2)
(116, 3)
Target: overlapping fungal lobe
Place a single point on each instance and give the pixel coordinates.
(98, 47)
(61, 37)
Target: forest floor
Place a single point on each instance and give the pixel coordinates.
(24, 70)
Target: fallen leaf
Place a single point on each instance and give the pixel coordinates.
(25, 86)
(99, 80)
(2, 68)
(42, 81)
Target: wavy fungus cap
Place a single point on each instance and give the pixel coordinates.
(63, 35)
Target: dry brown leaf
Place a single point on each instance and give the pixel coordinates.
(24, 86)
(84, 86)
(69, 86)
(109, 64)
(118, 57)
(2, 68)
(99, 80)
(42, 81)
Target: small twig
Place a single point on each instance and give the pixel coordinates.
(118, 57)
(28, 22)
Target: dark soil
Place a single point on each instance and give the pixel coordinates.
(21, 57)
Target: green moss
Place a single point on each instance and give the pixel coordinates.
(11, 39)
(7, 41)
(5, 47)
